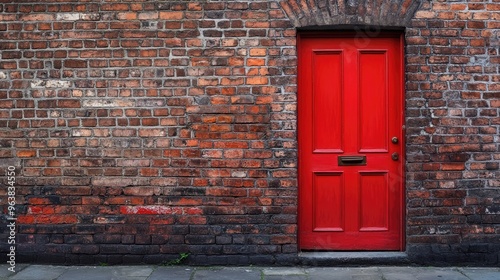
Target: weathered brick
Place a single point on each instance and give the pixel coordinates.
(112, 182)
(50, 84)
(68, 103)
(108, 103)
(173, 15)
(130, 148)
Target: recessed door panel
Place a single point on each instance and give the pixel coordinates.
(327, 101)
(374, 201)
(350, 96)
(373, 98)
(328, 192)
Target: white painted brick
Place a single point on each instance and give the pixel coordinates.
(3, 75)
(68, 16)
(239, 174)
(58, 84)
(38, 84)
(90, 16)
(77, 16)
(50, 84)
(107, 103)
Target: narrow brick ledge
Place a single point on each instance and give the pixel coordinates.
(309, 13)
(353, 258)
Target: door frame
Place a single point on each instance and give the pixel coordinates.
(362, 35)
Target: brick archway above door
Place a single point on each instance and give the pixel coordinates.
(307, 13)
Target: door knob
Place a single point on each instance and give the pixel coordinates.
(395, 156)
(395, 140)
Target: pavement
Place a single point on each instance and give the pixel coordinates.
(150, 272)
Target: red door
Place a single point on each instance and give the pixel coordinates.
(350, 127)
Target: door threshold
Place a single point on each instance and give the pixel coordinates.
(360, 258)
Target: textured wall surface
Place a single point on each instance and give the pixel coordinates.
(453, 101)
(331, 13)
(144, 129)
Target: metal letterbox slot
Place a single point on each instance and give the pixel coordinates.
(351, 160)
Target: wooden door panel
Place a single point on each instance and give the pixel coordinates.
(327, 110)
(373, 201)
(349, 108)
(328, 208)
(373, 98)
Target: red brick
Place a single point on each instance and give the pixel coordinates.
(258, 52)
(73, 63)
(453, 166)
(257, 80)
(26, 153)
(171, 15)
(68, 103)
(115, 7)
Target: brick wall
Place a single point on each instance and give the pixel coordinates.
(145, 129)
(453, 100)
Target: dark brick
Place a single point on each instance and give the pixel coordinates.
(107, 238)
(78, 239)
(85, 249)
(133, 259)
(74, 63)
(261, 259)
(200, 239)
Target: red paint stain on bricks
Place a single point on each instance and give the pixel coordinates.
(47, 219)
(193, 211)
(35, 210)
(26, 219)
(41, 210)
(159, 210)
